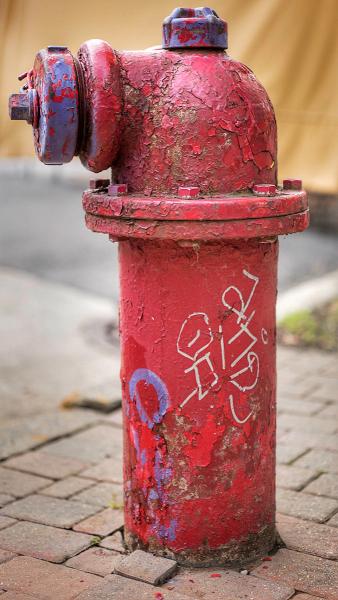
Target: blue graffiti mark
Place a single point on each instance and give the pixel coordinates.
(161, 390)
(153, 495)
(143, 457)
(162, 474)
(168, 533)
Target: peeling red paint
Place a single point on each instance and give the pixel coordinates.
(188, 135)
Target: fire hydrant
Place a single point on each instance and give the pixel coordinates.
(190, 136)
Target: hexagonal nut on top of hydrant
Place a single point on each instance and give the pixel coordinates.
(196, 209)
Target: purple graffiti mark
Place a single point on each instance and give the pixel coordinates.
(162, 393)
(153, 468)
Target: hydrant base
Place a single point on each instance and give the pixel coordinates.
(237, 553)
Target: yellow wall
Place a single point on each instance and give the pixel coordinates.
(289, 44)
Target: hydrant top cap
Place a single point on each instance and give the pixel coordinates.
(194, 28)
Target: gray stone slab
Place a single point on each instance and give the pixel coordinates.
(220, 584)
(49, 511)
(146, 567)
(92, 445)
(305, 506)
(40, 541)
(19, 484)
(45, 464)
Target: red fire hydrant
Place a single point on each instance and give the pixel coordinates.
(190, 136)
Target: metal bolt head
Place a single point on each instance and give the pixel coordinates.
(264, 189)
(96, 184)
(19, 107)
(118, 189)
(292, 184)
(188, 192)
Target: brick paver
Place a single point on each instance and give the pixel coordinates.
(298, 406)
(329, 412)
(67, 487)
(49, 511)
(45, 464)
(322, 460)
(5, 499)
(304, 572)
(304, 597)
(311, 538)
(17, 596)
(228, 585)
(305, 506)
(6, 522)
(324, 388)
(44, 580)
(27, 432)
(307, 440)
(146, 567)
(103, 494)
(109, 470)
(288, 453)
(99, 561)
(91, 446)
(325, 485)
(333, 522)
(103, 523)
(307, 424)
(293, 478)
(115, 587)
(114, 542)
(5, 555)
(19, 484)
(41, 541)
(65, 483)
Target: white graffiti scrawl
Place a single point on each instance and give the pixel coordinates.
(196, 341)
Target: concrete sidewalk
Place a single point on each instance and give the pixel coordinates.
(61, 519)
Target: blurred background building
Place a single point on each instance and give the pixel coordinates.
(291, 45)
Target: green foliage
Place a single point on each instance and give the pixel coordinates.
(317, 328)
(95, 540)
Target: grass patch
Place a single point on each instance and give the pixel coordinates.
(316, 328)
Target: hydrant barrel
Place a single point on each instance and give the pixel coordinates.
(190, 136)
(198, 374)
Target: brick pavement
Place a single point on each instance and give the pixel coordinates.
(61, 522)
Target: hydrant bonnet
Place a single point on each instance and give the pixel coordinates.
(195, 28)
